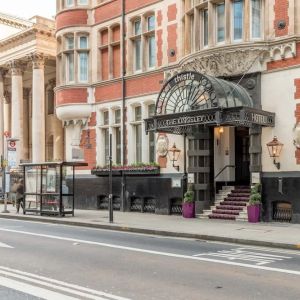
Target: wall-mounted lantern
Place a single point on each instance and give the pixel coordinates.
(275, 148)
(174, 153)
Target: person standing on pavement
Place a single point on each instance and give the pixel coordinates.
(20, 195)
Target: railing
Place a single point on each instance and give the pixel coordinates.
(227, 166)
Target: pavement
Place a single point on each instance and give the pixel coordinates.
(276, 235)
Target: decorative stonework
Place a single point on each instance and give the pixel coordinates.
(283, 49)
(37, 59)
(222, 63)
(16, 67)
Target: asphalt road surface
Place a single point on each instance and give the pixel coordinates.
(46, 261)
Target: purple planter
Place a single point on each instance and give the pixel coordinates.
(253, 213)
(188, 210)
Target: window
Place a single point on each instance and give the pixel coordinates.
(151, 113)
(237, 19)
(69, 3)
(152, 52)
(205, 27)
(138, 113)
(70, 42)
(83, 58)
(105, 118)
(137, 27)
(220, 9)
(255, 18)
(137, 54)
(192, 32)
(83, 2)
(106, 144)
(118, 145)
(83, 42)
(117, 116)
(151, 23)
(83, 66)
(70, 67)
(138, 143)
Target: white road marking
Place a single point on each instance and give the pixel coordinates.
(286, 271)
(72, 289)
(32, 290)
(240, 254)
(2, 245)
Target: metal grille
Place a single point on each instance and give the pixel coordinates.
(282, 212)
(149, 205)
(136, 204)
(103, 202)
(176, 206)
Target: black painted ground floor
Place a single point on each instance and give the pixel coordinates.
(163, 194)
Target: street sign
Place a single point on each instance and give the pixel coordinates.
(12, 157)
(12, 144)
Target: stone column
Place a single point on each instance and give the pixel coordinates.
(17, 106)
(2, 73)
(38, 108)
(26, 93)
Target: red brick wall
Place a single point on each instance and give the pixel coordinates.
(143, 85)
(136, 86)
(108, 11)
(159, 47)
(92, 121)
(281, 13)
(75, 95)
(89, 154)
(131, 5)
(104, 64)
(297, 115)
(172, 12)
(284, 63)
(111, 91)
(71, 18)
(172, 41)
(116, 61)
(297, 85)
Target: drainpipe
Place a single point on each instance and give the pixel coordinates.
(123, 60)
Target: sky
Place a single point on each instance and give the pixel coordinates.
(25, 9)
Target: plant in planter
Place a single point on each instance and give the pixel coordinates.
(188, 205)
(254, 205)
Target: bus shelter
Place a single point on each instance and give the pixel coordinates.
(49, 187)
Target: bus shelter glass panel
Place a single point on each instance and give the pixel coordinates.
(32, 199)
(67, 189)
(50, 188)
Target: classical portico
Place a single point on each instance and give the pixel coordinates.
(27, 80)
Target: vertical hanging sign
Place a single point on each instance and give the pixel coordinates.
(12, 154)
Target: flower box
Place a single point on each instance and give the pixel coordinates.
(128, 170)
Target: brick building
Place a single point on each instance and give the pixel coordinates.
(217, 78)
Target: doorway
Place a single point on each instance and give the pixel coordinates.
(242, 156)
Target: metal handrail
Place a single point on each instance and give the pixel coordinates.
(215, 183)
(227, 166)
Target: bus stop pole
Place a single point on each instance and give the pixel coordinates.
(110, 197)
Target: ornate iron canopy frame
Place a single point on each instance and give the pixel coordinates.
(181, 123)
(191, 98)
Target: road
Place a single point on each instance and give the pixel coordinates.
(48, 261)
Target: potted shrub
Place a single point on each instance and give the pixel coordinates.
(254, 205)
(188, 205)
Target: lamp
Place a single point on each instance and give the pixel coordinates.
(174, 153)
(221, 130)
(275, 148)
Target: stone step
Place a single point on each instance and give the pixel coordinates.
(222, 216)
(235, 203)
(243, 199)
(239, 195)
(231, 207)
(226, 212)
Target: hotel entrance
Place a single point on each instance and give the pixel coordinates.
(221, 126)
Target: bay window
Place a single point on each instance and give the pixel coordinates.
(220, 10)
(256, 19)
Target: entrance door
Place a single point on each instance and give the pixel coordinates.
(242, 157)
